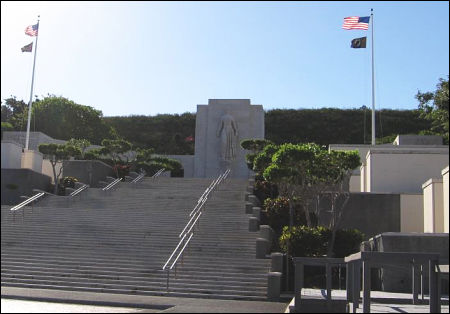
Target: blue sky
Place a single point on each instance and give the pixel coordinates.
(145, 58)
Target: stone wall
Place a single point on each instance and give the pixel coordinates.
(398, 279)
(18, 182)
(11, 155)
(87, 171)
(370, 213)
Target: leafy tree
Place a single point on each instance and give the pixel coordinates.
(64, 119)
(15, 112)
(306, 171)
(255, 146)
(116, 149)
(82, 144)
(434, 107)
(56, 153)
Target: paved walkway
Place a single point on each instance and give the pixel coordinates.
(20, 300)
(381, 302)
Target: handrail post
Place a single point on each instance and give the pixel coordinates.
(168, 275)
(433, 286)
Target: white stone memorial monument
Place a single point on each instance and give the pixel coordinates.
(220, 127)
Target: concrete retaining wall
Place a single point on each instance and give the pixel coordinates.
(17, 182)
(87, 171)
(370, 213)
(398, 279)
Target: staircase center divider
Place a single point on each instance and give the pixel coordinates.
(188, 230)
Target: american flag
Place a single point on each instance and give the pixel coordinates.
(356, 22)
(32, 30)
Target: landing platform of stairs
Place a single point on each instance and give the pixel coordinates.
(144, 304)
(381, 302)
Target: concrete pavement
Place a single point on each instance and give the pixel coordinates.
(22, 300)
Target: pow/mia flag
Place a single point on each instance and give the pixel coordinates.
(359, 42)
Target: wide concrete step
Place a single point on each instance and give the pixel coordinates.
(170, 293)
(118, 241)
(136, 281)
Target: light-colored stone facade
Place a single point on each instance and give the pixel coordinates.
(433, 206)
(445, 192)
(212, 155)
(32, 160)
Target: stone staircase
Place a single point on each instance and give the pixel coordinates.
(118, 241)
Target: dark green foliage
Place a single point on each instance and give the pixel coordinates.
(276, 212)
(347, 242)
(264, 189)
(166, 133)
(434, 108)
(311, 242)
(64, 119)
(151, 166)
(336, 126)
(15, 112)
(264, 158)
(305, 241)
(255, 145)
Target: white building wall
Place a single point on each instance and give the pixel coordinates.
(411, 213)
(433, 206)
(355, 183)
(403, 171)
(445, 193)
(32, 160)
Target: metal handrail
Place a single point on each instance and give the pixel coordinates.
(79, 190)
(109, 186)
(181, 252)
(157, 174)
(197, 213)
(140, 176)
(168, 260)
(27, 201)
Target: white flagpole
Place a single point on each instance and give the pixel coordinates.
(373, 85)
(31, 93)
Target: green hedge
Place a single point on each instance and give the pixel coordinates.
(313, 242)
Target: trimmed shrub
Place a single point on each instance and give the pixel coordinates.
(276, 212)
(264, 189)
(347, 242)
(305, 241)
(313, 242)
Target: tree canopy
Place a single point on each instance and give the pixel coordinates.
(434, 107)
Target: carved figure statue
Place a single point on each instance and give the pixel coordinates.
(227, 131)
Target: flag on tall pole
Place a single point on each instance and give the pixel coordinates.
(31, 30)
(27, 48)
(362, 23)
(356, 22)
(359, 43)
